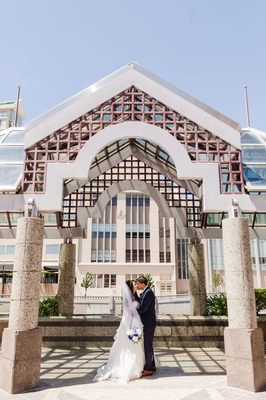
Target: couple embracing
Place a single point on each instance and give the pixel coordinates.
(131, 355)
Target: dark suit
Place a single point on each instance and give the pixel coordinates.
(148, 318)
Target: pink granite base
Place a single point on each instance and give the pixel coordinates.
(20, 360)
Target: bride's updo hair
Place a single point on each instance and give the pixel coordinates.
(130, 283)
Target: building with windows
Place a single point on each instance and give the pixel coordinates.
(8, 114)
(132, 170)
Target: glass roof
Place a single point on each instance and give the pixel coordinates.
(253, 144)
(144, 145)
(11, 158)
(251, 136)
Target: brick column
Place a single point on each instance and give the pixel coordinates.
(21, 342)
(66, 283)
(197, 284)
(244, 345)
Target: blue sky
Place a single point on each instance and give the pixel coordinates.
(208, 48)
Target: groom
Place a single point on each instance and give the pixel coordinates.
(147, 314)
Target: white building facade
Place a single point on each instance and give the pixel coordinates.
(131, 170)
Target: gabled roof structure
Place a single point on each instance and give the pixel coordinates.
(120, 80)
(93, 145)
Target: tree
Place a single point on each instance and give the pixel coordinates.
(150, 280)
(217, 280)
(87, 282)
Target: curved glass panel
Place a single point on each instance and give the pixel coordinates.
(15, 137)
(253, 144)
(251, 138)
(256, 175)
(2, 134)
(254, 154)
(9, 174)
(11, 153)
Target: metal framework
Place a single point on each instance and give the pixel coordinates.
(133, 104)
(131, 169)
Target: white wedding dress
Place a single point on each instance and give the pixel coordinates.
(126, 358)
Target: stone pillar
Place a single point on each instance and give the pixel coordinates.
(197, 284)
(21, 341)
(244, 345)
(66, 282)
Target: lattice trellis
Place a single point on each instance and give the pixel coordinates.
(133, 105)
(131, 169)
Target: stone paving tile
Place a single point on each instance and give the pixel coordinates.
(183, 374)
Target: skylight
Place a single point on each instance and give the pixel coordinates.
(11, 158)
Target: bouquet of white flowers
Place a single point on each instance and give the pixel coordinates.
(135, 335)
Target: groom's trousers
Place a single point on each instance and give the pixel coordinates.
(148, 348)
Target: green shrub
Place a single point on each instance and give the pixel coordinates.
(150, 280)
(48, 307)
(260, 295)
(217, 304)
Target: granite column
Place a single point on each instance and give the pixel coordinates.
(66, 283)
(197, 284)
(21, 341)
(244, 345)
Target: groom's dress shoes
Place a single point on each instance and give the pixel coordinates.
(146, 373)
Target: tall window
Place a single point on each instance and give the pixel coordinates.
(216, 253)
(182, 258)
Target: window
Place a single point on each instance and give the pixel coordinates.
(262, 253)
(166, 288)
(128, 256)
(113, 281)
(137, 200)
(134, 256)
(113, 255)
(132, 277)
(93, 255)
(99, 280)
(10, 250)
(168, 256)
(2, 250)
(216, 253)
(49, 276)
(103, 281)
(148, 255)
(52, 249)
(137, 255)
(182, 258)
(104, 230)
(106, 280)
(103, 256)
(141, 255)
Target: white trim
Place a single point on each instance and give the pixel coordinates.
(213, 200)
(120, 80)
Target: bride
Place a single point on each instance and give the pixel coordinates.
(126, 358)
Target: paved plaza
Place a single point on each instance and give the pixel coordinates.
(183, 373)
